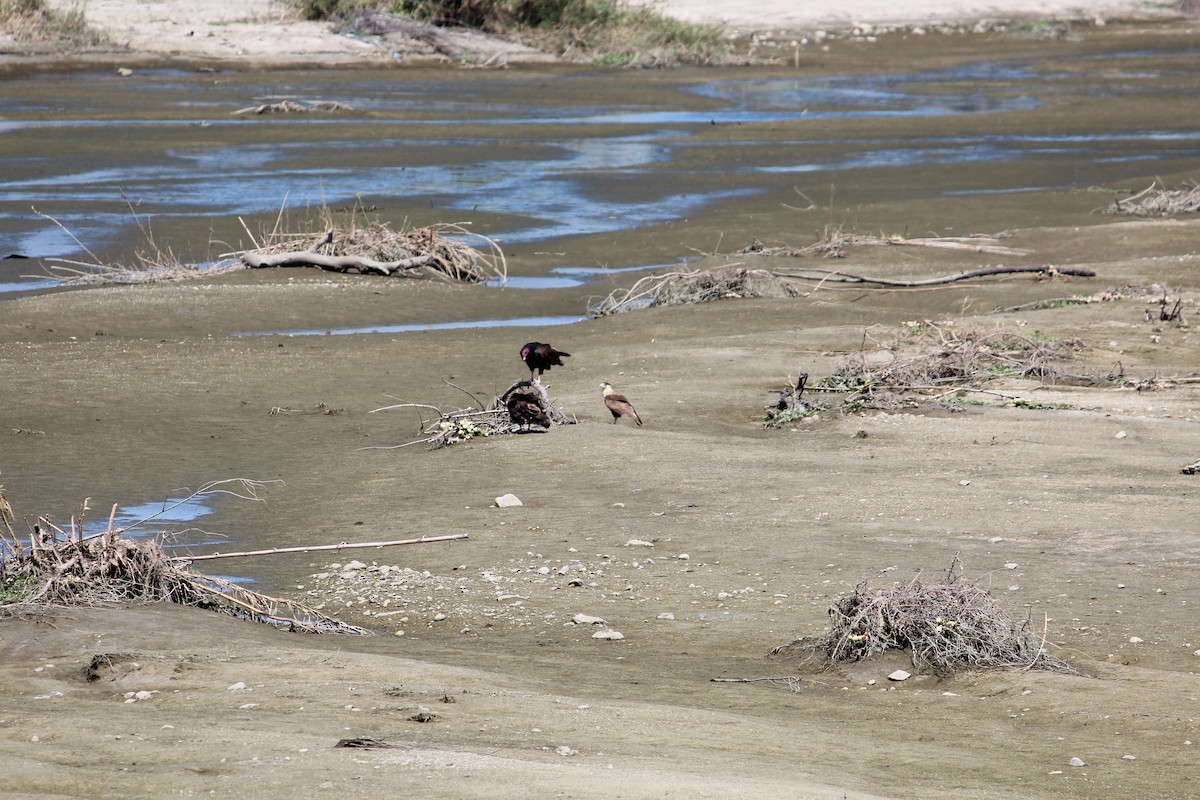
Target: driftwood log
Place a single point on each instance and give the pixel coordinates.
(404, 267)
(837, 276)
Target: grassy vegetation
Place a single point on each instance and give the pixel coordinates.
(32, 21)
(597, 31)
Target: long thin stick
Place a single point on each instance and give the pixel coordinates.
(313, 548)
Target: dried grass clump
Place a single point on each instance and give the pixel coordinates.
(57, 567)
(152, 263)
(699, 286)
(1157, 200)
(939, 359)
(946, 626)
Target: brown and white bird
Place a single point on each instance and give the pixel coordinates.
(541, 357)
(619, 405)
(524, 410)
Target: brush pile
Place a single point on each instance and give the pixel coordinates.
(690, 287)
(939, 359)
(946, 626)
(1157, 200)
(435, 251)
(57, 567)
(503, 415)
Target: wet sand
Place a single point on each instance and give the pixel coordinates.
(127, 393)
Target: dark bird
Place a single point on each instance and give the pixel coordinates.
(524, 410)
(541, 357)
(619, 405)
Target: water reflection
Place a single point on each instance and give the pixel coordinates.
(516, 322)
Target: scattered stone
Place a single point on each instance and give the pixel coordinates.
(639, 543)
(608, 634)
(563, 750)
(584, 619)
(438, 617)
(995, 540)
(1128, 757)
(1121, 435)
(683, 556)
(1135, 640)
(899, 675)
(508, 501)
(1077, 762)
(353, 565)
(248, 706)
(669, 615)
(1010, 565)
(964, 483)
(237, 687)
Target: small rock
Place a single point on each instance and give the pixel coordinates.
(353, 565)
(584, 619)
(438, 617)
(899, 675)
(964, 483)
(995, 540)
(1010, 565)
(608, 634)
(563, 750)
(683, 556)
(508, 501)
(1135, 640)
(237, 687)
(639, 543)
(1121, 435)
(1128, 757)
(1077, 762)
(669, 615)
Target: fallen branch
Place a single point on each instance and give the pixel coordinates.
(313, 548)
(307, 258)
(837, 276)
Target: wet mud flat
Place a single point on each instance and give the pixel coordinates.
(1076, 516)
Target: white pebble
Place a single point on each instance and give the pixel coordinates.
(639, 543)
(1121, 435)
(1077, 762)
(899, 675)
(508, 501)
(669, 615)
(1128, 757)
(563, 750)
(608, 634)
(237, 687)
(964, 483)
(1135, 640)
(584, 619)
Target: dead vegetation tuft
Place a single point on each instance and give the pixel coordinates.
(946, 626)
(696, 286)
(940, 359)
(1157, 200)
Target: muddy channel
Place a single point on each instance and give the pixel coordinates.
(1074, 512)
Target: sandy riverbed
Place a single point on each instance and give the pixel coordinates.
(113, 393)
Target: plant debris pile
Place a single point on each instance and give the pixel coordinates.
(699, 286)
(1157, 200)
(435, 251)
(57, 567)
(502, 415)
(946, 626)
(938, 359)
